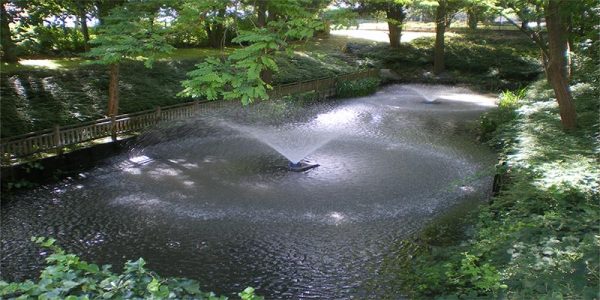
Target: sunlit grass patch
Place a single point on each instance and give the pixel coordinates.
(195, 53)
(48, 64)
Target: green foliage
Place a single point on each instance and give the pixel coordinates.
(41, 26)
(20, 184)
(248, 294)
(239, 76)
(357, 88)
(341, 17)
(23, 183)
(505, 112)
(311, 64)
(69, 277)
(49, 41)
(130, 33)
(203, 23)
(538, 239)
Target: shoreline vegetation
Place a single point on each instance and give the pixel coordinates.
(538, 238)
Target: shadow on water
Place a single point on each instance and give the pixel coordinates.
(216, 203)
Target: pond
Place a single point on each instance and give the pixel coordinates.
(212, 201)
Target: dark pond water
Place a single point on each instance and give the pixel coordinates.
(214, 203)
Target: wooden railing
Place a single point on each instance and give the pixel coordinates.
(56, 138)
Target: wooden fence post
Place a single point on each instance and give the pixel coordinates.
(57, 141)
(113, 128)
(196, 106)
(158, 114)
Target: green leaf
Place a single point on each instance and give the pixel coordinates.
(153, 286)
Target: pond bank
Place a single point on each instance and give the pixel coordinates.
(538, 237)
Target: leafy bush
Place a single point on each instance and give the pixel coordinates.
(68, 277)
(357, 88)
(50, 40)
(505, 112)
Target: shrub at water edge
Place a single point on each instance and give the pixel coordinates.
(68, 277)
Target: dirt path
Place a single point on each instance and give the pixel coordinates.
(378, 32)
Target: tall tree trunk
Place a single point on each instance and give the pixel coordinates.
(262, 13)
(570, 45)
(63, 25)
(215, 33)
(8, 46)
(394, 20)
(440, 29)
(472, 19)
(326, 27)
(84, 28)
(113, 90)
(557, 63)
(272, 17)
(394, 33)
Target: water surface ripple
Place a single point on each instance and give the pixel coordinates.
(216, 204)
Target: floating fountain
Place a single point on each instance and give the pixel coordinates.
(301, 166)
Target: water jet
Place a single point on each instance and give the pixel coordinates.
(285, 141)
(429, 97)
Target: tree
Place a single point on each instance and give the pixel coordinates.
(558, 66)
(129, 32)
(43, 25)
(81, 11)
(238, 76)
(444, 13)
(476, 10)
(6, 41)
(104, 8)
(395, 14)
(338, 18)
(441, 14)
(216, 17)
(554, 45)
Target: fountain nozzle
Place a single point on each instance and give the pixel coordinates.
(301, 166)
